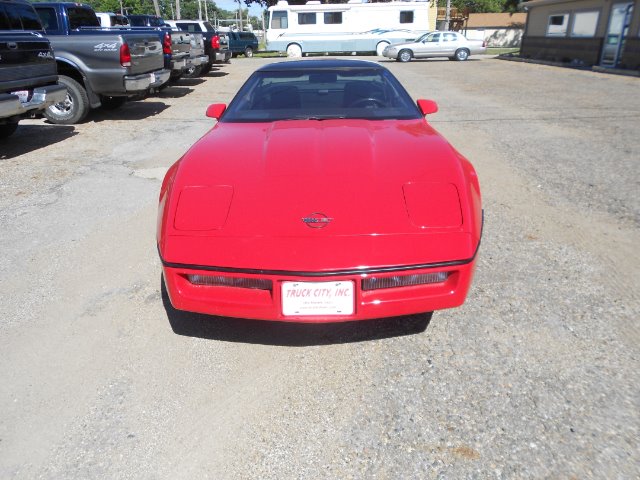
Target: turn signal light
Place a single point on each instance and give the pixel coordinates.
(222, 281)
(125, 55)
(377, 283)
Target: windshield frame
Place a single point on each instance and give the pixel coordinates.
(320, 94)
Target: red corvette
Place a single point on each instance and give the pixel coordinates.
(321, 195)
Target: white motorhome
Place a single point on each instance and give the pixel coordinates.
(346, 27)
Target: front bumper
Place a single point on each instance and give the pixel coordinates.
(40, 99)
(233, 301)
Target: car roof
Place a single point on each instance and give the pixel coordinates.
(319, 65)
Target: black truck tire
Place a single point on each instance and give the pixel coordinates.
(74, 108)
(7, 129)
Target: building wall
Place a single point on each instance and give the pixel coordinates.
(538, 43)
(496, 37)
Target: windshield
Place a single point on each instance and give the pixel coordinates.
(321, 94)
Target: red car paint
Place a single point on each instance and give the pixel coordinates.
(319, 201)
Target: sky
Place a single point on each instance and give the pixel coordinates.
(231, 5)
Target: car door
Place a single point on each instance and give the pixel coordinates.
(429, 46)
(450, 43)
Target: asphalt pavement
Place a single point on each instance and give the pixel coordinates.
(536, 376)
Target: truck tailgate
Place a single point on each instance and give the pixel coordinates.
(25, 56)
(146, 52)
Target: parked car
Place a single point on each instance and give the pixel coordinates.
(245, 43)
(216, 43)
(28, 76)
(345, 204)
(99, 67)
(436, 44)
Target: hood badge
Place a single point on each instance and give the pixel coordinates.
(317, 220)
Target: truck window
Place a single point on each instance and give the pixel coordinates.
(189, 27)
(279, 20)
(22, 17)
(208, 27)
(81, 17)
(48, 18)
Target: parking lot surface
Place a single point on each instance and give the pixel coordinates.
(536, 376)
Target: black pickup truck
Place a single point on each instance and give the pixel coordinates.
(98, 67)
(28, 77)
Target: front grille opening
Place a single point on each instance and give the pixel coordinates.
(377, 283)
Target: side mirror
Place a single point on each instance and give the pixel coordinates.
(217, 109)
(427, 107)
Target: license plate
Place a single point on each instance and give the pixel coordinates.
(317, 298)
(23, 95)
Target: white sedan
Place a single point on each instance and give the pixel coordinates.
(436, 44)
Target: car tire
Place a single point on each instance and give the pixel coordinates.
(294, 51)
(462, 54)
(111, 103)
(380, 48)
(74, 108)
(248, 52)
(7, 129)
(404, 55)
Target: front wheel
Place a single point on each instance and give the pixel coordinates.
(462, 54)
(248, 52)
(294, 51)
(72, 109)
(404, 55)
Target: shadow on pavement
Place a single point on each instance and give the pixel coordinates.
(174, 91)
(133, 110)
(32, 137)
(289, 334)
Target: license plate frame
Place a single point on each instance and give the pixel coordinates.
(335, 298)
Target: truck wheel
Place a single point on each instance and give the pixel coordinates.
(74, 108)
(192, 72)
(248, 52)
(7, 129)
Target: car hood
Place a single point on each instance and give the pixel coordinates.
(251, 184)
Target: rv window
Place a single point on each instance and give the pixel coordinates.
(332, 17)
(406, 17)
(306, 19)
(279, 20)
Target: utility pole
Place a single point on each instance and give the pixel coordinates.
(240, 14)
(447, 16)
(199, 9)
(178, 17)
(155, 5)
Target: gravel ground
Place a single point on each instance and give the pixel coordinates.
(536, 376)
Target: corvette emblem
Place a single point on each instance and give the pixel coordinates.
(317, 220)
